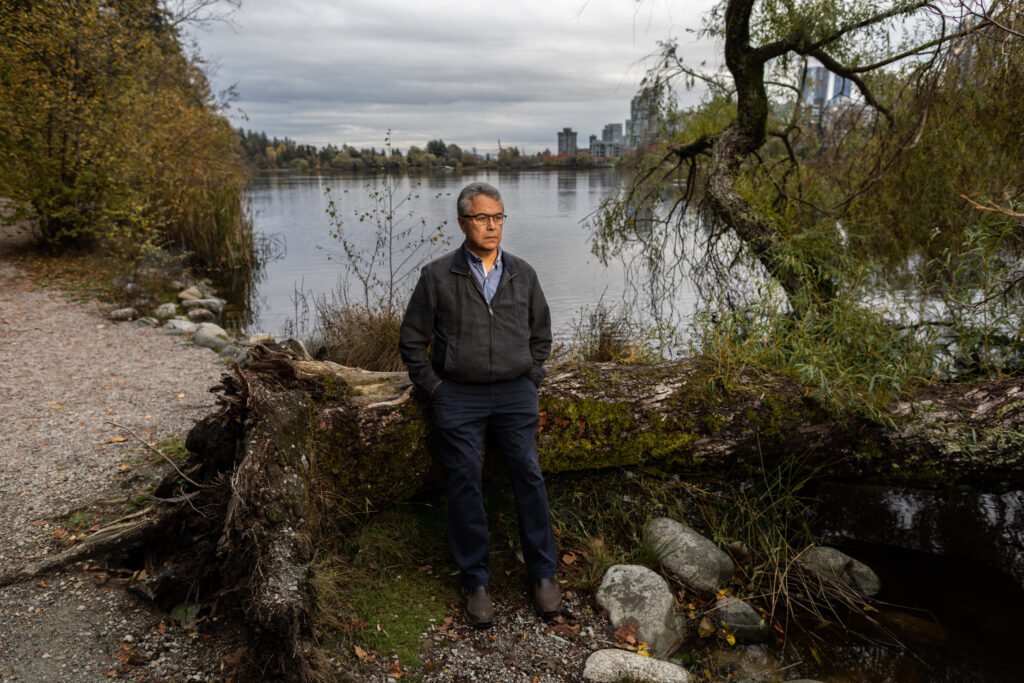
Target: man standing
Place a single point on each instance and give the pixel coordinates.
(490, 328)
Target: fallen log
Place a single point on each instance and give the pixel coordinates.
(299, 448)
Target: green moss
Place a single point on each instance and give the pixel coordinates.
(371, 461)
(585, 433)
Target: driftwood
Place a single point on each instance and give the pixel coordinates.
(299, 447)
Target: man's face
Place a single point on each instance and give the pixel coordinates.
(482, 239)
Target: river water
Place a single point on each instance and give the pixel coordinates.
(546, 226)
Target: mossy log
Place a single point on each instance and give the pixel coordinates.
(299, 448)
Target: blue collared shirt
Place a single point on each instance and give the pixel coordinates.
(488, 281)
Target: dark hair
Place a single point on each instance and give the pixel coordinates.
(472, 190)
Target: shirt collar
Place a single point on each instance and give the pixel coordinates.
(473, 258)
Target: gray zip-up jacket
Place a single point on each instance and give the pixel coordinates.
(472, 342)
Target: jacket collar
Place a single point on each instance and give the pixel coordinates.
(460, 264)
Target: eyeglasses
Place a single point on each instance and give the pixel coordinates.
(481, 219)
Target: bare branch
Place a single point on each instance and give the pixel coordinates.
(158, 452)
(844, 71)
(991, 206)
(869, 21)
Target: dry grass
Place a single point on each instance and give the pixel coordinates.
(361, 337)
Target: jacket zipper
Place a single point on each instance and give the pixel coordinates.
(490, 312)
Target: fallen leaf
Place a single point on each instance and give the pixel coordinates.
(161, 628)
(124, 468)
(627, 632)
(361, 653)
(42, 584)
(181, 395)
(568, 558)
(705, 628)
(233, 659)
(117, 439)
(731, 639)
(60, 533)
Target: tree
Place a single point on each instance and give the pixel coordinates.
(758, 199)
(438, 148)
(109, 131)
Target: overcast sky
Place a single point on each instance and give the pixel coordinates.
(346, 71)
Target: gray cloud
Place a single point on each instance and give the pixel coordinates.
(325, 71)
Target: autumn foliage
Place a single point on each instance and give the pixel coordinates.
(109, 132)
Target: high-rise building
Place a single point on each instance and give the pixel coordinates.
(841, 87)
(822, 88)
(612, 133)
(643, 111)
(566, 141)
(816, 82)
(606, 149)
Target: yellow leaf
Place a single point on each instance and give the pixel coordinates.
(124, 468)
(731, 639)
(118, 439)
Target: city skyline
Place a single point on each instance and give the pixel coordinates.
(321, 72)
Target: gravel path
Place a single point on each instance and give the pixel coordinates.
(65, 373)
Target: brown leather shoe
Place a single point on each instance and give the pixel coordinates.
(479, 610)
(547, 596)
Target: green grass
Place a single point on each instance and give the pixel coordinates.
(76, 519)
(388, 584)
(173, 448)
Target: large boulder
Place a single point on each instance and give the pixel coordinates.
(210, 336)
(691, 558)
(744, 621)
(633, 593)
(612, 666)
(835, 564)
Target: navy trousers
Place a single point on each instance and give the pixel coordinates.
(464, 415)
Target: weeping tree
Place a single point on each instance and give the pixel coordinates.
(810, 196)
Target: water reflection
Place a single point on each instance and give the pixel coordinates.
(546, 210)
(567, 192)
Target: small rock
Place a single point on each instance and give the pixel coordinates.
(612, 666)
(635, 593)
(229, 351)
(212, 304)
(190, 294)
(123, 314)
(835, 564)
(693, 559)
(743, 620)
(210, 336)
(200, 315)
(180, 326)
(166, 310)
(146, 321)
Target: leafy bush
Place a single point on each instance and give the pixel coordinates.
(109, 133)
